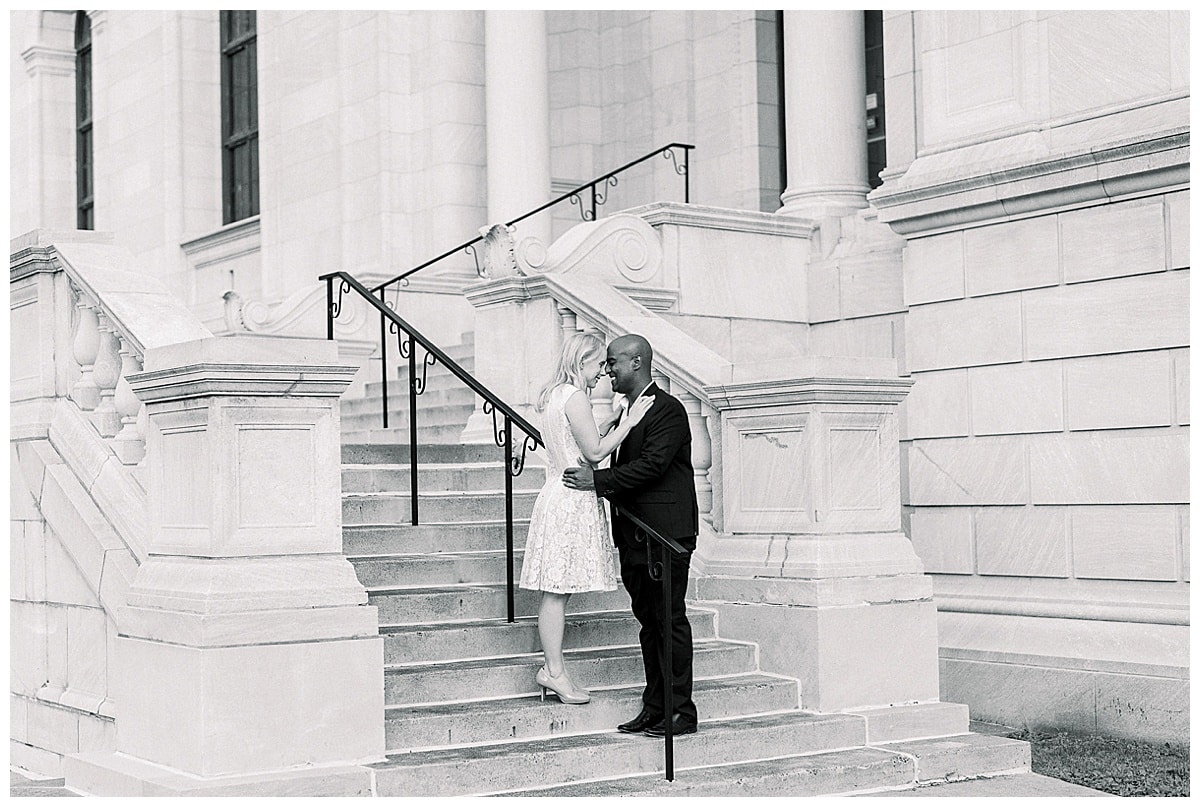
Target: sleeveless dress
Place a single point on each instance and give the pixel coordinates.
(569, 548)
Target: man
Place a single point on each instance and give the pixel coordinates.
(651, 476)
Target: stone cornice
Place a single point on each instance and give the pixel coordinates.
(231, 241)
(209, 379)
(810, 390)
(720, 218)
(506, 290)
(49, 60)
(929, 202)
(253, 366)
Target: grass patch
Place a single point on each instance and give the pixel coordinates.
(1113, 765)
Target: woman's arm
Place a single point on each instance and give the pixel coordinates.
(583, 426)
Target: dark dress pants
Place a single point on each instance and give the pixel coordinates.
(646, 599)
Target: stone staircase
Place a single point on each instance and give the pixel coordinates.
(463, 714)
(442, 409)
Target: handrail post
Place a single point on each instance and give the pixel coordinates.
(412, 425)
(668, 669)
(687, 177)
(329, 308)
(593, 201)
(508, 513)
(384, 366)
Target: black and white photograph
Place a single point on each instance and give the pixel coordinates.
(613, 403)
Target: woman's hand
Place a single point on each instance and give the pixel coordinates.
(639, 409)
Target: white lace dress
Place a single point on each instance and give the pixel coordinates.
(569, 548)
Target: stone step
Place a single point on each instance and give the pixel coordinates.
(405, 539)
(431, 424)
(420, 605)
(458, 397)
(834, 772)
(397, 452)
(856, 770)
(428, 413)
(492, 721)
(520, 766)
(435, 569)
(384, 478)
(426, 435)
(443, 381)
(510, 676)
(434, 505)
(410, 643)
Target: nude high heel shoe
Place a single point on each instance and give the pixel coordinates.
(560, 686)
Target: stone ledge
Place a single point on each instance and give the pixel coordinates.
(934, 195)
(115, 774)
(720, 218)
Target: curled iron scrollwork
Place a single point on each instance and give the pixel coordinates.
(518, 460)
(497, 427)
(335, 306)
(602, 197)
(655, 567)
(419, 384)
(479, 270)
(584, 213)
(669, 154)
(403, 340)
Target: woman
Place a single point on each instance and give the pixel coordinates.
(569, 548)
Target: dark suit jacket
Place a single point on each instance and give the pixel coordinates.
(652, 475)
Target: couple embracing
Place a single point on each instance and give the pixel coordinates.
(569, 548)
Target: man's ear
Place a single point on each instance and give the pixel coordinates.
(636, 362)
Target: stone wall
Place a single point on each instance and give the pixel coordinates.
(1047, 289)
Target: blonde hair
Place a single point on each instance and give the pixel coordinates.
(575, 349)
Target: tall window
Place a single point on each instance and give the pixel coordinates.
(239, 115)
(876, 128)
(85, 216)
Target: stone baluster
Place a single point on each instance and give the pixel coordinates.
(566, 319)
(84, 347)
(107, 372)
(602, 395)
(129, 444)
(701, 451)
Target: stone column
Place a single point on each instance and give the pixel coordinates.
(518, 119)
(825, 87)
(248, 660)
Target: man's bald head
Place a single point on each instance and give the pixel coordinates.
(631, 345)
(628, 364)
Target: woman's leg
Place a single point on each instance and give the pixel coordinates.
(552, 619)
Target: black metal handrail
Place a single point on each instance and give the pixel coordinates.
(660, 570)
(514, 465)
(598, 199)
(407, 338)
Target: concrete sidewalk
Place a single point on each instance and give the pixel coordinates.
(1026, 784)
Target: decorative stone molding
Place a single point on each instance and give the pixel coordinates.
(48, 61)
(300, 315)
(721, 218)
(1020, 176)
(620, 248)
(231, 241)
(496, 252)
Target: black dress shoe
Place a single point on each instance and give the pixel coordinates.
(681, 725)
(644, 720)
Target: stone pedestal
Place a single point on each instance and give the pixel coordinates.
(247, 656)
(809, 560)
(516, 365)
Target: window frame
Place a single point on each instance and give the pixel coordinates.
(85, 176)
(239, 115)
